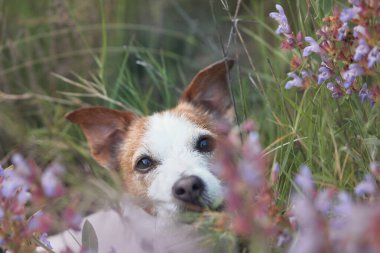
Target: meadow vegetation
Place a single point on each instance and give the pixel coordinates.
(306, 93)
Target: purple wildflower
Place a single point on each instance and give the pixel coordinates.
(364, 93)
(305, 74)
(335, 89)
(330, 86)
(281, 19)
(344, 205)
(349, 13)
(310, 237)
(50, 181)
(21, 165)
(342, 31)
(360, 30)
(373, 57)
(366, 187)
(283, 238)
(11, 183)
(39, 222)
(323, 201)
(23, 196)
(44, 240)
(249, 174)
(361, 50)
(314, 47)
(275, 172)
(325, 73)
(296, 82)
(355, 2)
(349, 76)
(305, 181)
(34, 222)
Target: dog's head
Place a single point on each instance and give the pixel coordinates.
(166, 157)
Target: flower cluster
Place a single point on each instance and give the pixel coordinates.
(25, 190)
(317, 220)
(250, 198)
(347, 48)
(329, 220)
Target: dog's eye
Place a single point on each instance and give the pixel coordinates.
(144, 165)
(205, 144)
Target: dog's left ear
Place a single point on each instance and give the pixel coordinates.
(209, 89)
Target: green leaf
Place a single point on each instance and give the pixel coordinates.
(89, 238)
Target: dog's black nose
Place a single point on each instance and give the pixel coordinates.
(189, 189)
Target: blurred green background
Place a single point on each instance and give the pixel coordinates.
(59, 55)
(139, 53)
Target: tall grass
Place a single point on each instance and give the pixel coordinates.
(337, 138)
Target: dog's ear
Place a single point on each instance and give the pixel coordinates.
(105, 130)
(209, 89)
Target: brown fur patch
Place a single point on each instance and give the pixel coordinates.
(134, 183)
(195, 115)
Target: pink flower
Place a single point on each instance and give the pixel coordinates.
(72, 218)
(374, 167)
(39, 222)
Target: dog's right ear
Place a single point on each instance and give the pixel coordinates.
(105, 129)
(209, 89)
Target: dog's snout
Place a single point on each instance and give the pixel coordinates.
(189, 189)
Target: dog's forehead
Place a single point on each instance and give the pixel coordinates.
(169, 132)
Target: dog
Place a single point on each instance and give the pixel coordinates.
(166, 158)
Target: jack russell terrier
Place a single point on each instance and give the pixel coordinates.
(164, 158)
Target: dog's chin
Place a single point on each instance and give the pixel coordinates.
(179, 208)
(200, 206)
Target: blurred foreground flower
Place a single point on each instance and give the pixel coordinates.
(25, 188)
(250, 198)
(332, 221)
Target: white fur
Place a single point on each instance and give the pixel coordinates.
(133, 230)
(170, 140)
